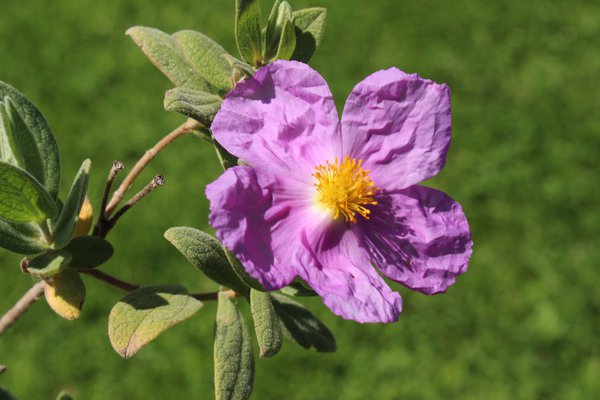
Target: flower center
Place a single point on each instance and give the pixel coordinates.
(345, 188)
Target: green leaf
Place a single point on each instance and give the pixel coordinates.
(168, 57)
(310, 27)
(287, 43)
(248, 30)
(271, 35)
(49, 264)
(17, 144)
(89, 252)
(144, 314)
(64, 225)
(241, 271)
(45, 147)
(201, 106)
(22, 238)
(65, 293)
(206, 253)
(240, 68)
(234, 361)
(300, 325)
(4, 395)
(22, 197)
(206, 56)
(266, 323)
(298, 289)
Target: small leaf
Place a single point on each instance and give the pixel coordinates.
(45, 144)
(271, 35)
(206, 56)
(144, 314)
(275, 27)
(310, 27)
(201, 106)
(64, 225)
(287, 43)
(206, 253)
(166, 55)
(300, 325)
(22, 238)
(49, 264)
(17, 143)
(89, 252)
(266, 323)
(240, 68)
(65, 294)
(234, 361)
(84, 219)
(22, 197)
(298, 289)
(241, 271)
(248, 31)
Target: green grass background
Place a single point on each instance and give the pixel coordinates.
(523, 323)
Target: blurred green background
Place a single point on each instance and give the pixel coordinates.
(523, 323)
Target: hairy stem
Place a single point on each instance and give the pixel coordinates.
(30, 297)
(111, 280)
(117, 197)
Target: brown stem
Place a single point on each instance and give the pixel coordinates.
(111, 280)
(114, 170)
(21, 306)
(184, 128)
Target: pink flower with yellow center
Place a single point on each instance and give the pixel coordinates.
(332, 202)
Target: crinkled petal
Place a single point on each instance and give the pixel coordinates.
(262, 233)
(419, 237)
(399, 125)
(338, 269)
(282, 118)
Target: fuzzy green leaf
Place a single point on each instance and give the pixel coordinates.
(89, 252)
(201, 106)
(234, 361)
(248, 33)
(49, 264)
(266, 323)
(206, 253)
(40, 148)
(164, 52)
(206, 56)
(271, 35)
(22, 238)
(241, 271)
(301, 325)
(144, 314)
(298, 289)
(22, 197)
(64, 396)
(310, 27)
(64, 225)
(287, 43)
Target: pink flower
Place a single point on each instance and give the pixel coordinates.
(328, 201)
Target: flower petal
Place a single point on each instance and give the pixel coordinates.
(338, 269)
(261, 233)
(399, 125)
(283, 117)
(419, 237)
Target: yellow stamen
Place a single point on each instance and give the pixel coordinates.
(345, 188)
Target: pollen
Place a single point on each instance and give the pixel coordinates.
(345, 188)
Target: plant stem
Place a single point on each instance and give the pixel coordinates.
(111, 280)
(181, 130)
(21, 306)
(115, 169)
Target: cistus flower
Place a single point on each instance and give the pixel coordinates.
(330, 202)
